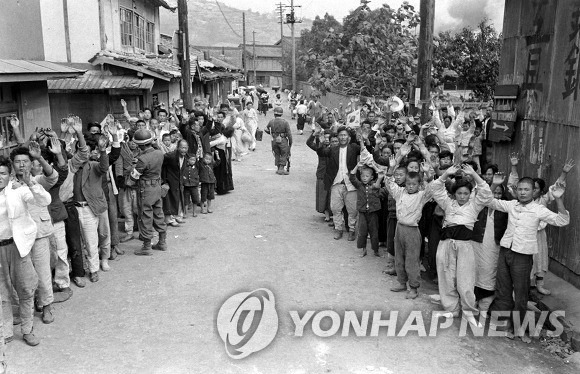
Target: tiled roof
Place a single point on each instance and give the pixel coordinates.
(148, 64)
(95, 81)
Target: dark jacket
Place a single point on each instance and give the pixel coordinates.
(368, 197)
(206, 174)
(191, 139)
(113, 157)
(314, 144)
(500, 221)
(171, 174)
(332, 162)
(190, 176)
(92, 183)
(56, 209)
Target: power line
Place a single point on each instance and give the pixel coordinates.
(222, 12)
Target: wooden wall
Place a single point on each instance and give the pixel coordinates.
(541, 54)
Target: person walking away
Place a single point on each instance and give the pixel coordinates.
(301, 111)
(250, 116)
(281, 140)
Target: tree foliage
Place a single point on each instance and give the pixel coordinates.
(374, 53)
(468, 58)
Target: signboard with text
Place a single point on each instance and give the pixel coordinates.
(501, 126)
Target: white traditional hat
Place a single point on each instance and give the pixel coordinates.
(395, 104)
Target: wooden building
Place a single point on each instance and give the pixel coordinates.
(541, 55)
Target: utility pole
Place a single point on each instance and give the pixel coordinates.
(244, 48)
(254, 55)
(427, 14)
(291, 19)
(280, 9)
(184, 58)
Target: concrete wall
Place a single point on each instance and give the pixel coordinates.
(84, 29)
(21, 30)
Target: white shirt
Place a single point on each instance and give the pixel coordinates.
(301, 109)
(5, 229)
(342, 174)
(409, 206)
(523, 221)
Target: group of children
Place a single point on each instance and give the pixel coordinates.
(427, 200)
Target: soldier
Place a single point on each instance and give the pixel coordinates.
(147, 175)
(281, 140)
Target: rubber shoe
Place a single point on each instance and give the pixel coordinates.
(351, 236)
(79, 282)
(94, 277)
(31, 339)
(412, 294)
(47, 316)
(399, 288)
(105, 265)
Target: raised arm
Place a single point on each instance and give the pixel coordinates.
(439, 193)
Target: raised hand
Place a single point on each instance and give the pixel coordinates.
(392, 161)
(468, 169)
(514, 159)
(451, 170)
(405, 149)
(55, 147)
(113, 129)
(110, 119)
(14, 121)
(77, 124)
(568, 166)
(26, 178)
(498, 178)
(34, 150)
(63, 125)
(123, 103)
(103, 143)
(558, 190)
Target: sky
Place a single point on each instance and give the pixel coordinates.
(449, 14)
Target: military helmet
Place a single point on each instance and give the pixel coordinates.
(278, 110)
(142, 137)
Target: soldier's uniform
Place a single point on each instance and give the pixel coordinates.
(147, 176)
(281, 140)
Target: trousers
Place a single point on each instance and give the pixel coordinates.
(281, 152)
(513, 278)
(74, 240)
(112, 216)
(368, 223)
(340, 197)
(407, 251)
(151, 217)
(89, 224)
(17, 273)
(40, 256)
(456, 275)
(391, 227)
(128, 201)
(104, 230)
(59, 247)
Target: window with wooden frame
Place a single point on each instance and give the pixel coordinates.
(126, 27)
(150, 42)
(139, 32)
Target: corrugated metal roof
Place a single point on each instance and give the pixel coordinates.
(35, 67)
(94, 82)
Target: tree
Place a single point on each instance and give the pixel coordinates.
(468, 58)
(373, 54)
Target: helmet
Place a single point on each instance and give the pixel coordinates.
(142, 137)
(278, 110)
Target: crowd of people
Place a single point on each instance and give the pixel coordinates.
(69, 202)
(431, 198)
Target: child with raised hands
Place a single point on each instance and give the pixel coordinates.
(455, 257)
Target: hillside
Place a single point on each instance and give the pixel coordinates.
(208, 27)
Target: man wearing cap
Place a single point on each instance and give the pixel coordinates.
(147, 176)
(281, 140)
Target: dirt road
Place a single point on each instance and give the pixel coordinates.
(158, 314)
